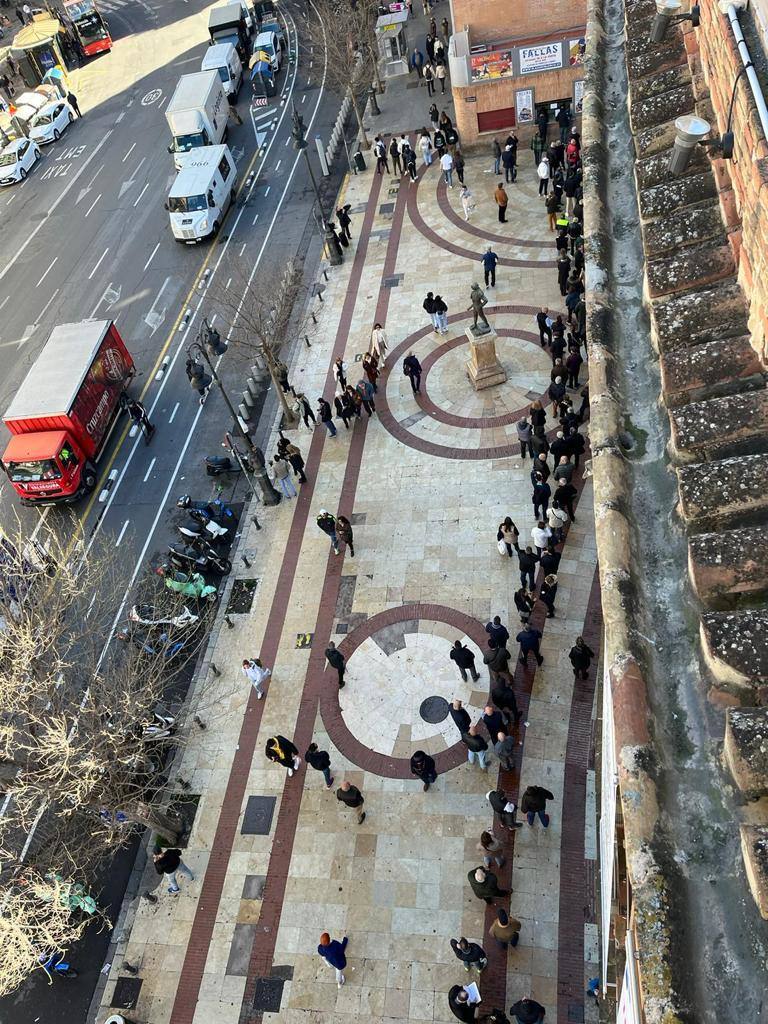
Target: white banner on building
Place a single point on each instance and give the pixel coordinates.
(608, 781)
(629, 1000)
(547, 57)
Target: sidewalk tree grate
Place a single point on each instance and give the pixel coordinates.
(304, 640)
(434, 710)
(268, 995)
(257, 820)
(241, 596)
(126, 994)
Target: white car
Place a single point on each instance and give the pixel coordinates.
(17, 160)
(51, 121)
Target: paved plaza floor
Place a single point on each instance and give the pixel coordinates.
(425, 482)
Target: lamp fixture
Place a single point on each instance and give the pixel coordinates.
(668, 12)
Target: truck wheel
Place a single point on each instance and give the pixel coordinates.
(215, 229)
(89, 478)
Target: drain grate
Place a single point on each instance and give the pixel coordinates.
(434, 710)
(241, 597)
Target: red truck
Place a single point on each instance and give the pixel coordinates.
(63, 413)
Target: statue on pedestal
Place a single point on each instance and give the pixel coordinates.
(477, 301)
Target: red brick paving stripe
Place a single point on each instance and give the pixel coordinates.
(190, 980)
(472, 229)
(576, 874)
(474, 422)
(263, 949)
(421, 225)
(389, 766)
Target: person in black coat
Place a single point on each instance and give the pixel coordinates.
(423, 767)
(524, 602)
(476, 747)
(581, 658)
(545, 331)
(412, 370)
(550, 560)
(548, 593)
(498, 631)
(493, 721)
(505, 808)
(528, 560)
(534, 802)
(336, 660)
(460, 717)
(461, 1008)
(464, 659)
(563, 270)
(529, 640)
(504, 698)
(542, 492)
(564, 495)
(527, 1011)
(320, 760)
(282, 751)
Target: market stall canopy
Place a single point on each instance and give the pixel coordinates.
(42, 30)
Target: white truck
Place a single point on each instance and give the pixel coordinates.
(197, 114)
(203, 191)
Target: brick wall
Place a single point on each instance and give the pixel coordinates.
(497, 95)
(494, 21)
(742, 182)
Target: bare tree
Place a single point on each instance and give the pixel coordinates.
(345, 30)
(264, 316)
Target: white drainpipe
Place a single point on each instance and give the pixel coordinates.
(731, 11)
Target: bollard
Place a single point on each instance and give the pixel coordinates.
(150, 897)
(229, 622)
(307, 341)
(199, 722)
(215, 670)
(243, 412)
(314, 318)
(246, 563)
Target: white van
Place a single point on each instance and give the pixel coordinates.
(270, 44)
(224, 59)
(203, 191)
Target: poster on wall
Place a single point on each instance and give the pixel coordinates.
(488, 66)
(524, 106)
(576, 51)
(578, 95)
(547, 57)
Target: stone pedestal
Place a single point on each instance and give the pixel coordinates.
(483, 367)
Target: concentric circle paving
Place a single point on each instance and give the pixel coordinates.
(444, 203)
(397, 661)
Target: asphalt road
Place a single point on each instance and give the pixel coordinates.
(86, 235)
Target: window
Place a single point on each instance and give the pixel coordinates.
(224, 168)
(495, 120)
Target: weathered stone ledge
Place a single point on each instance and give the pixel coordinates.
(754, 850)
(703, 315)
(689, 268)
(723, 489)
(711, 369)
(682, 229)
(745, 749)
(729, 563)
(719, 426)
(735, 647)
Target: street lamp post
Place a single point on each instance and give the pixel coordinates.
(213, 345)
(298, 130)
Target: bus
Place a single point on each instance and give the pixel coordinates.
(89, 25)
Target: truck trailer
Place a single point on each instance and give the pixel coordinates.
(197, 114)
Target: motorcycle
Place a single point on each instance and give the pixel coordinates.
(189, 558)
(164, 646)
(201, 542)
(216, 465)
(193, 585)
(144, 615)
(210, 532)
(204, 511)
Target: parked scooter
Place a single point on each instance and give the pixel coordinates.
(54, 963)
(210, 531)
(193, 585)
(216, 465)
(189, 559)
(163, 646)
(144, 615)
(204, 511)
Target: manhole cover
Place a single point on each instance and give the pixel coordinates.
(434, 710)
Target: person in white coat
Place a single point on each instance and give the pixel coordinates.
(257, 674)
(379, 343)
(543, 172)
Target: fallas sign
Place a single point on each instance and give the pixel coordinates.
(547, 57)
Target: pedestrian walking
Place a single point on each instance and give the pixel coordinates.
(505, 808)
(563, 271)
(352, 402)
(467, 203)
(565, 494)
(503, 697)
(502, 199)
(336, 660)
(416, 63)
(494, 722)
(460, 716)
(543, 174)
(320, 760)
(524, 604)
(434, 117)
(394, 152)
(429, 78)
(497, 631)
(412, 370)
(423, 767)
(508, 161)
(464, 660)
(491, 849)
(476, 747)
(461, 1005)
(550, 559)
(440, 76)
(530, 642)
(540, 467)
(489, 260)
(497, 660)
(379, 344)
(541, 536)
(344, 408)
(581, 656)
(505, 930)
(527, 1011)
(573, 364)
(552, 207)
(333, 952)
(351, 797)
(470, 954)
(340, 372)
(425, 145)
(524, 434)
(380, 152)
(556, 392)
(441, 312)
(428, 305)
(303, 409)
(20, 15)
(557, 519)
(563, 471)
(527, 560)
(409, 158)
(485, 885)
(544, 324)
(507, 537)
(296, 459)
(496, 151)
(365, 391)
(326, 416)
(282, 752)
(140, 417)
(542, 492)
(327, 524)
(504, 748)
(281, 472)
(344, 533)
(458, 164)
(257, 674)
(168, 862)
(548, 593)
(446, 165)
(344, 222)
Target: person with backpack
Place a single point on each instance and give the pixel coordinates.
(281, 751)
(412, 370)
(380, 152)
(394, 152)
(168, 862)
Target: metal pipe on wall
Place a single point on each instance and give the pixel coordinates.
(731, 12)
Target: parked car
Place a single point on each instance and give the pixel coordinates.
(51, 121)
(17, 159)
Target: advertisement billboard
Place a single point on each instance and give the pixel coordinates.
(547, 57)
(576, 51)
(488, 66)
(524, 106)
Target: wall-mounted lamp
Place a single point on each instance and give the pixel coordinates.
(668, 13)
(692, 131)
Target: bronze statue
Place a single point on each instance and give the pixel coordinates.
(478, 300)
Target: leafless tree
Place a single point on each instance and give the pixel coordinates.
(345, 30)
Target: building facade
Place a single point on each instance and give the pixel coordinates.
(509, 62)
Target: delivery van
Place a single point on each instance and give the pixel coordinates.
(203, 191)
(267, 42)
(223, 58)
(196, 114)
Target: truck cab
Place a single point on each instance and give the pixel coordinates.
(223, 59)
(46, 465)
(203, 191)
(227, 24)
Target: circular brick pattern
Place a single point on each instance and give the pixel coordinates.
(472, 229)
(434, 709)
(330, 708)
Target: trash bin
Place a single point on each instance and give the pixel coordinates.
(359, 161)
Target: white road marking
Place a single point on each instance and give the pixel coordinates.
(120, 117)
(277, 166)
(98, 197)
(44, 310)
(151, 467)
(103, 296)
(303, 97)
(153, 319)
(50, 266)
(98, 263)
(266, 191)
(4, 301)
(151, 256)
(173, 414)
(84, 191)
(138, 198)
(260, 117)
(229, 282)
(122, 533)
(255, 218)
(242, 250)
(129, 152)
(289, 139)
